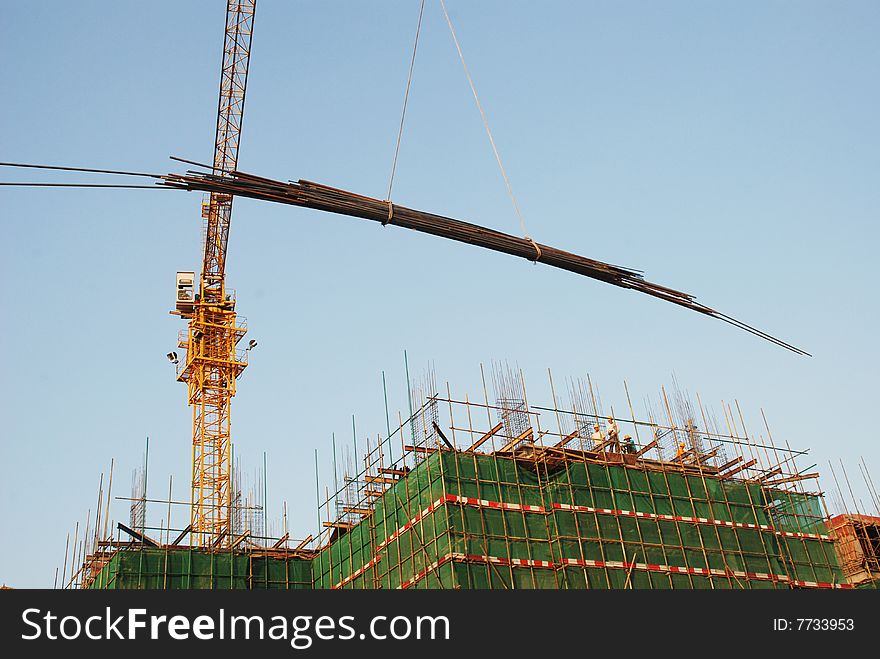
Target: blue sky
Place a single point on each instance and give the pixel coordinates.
(727, 149)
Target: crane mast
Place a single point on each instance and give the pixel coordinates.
(213, 362)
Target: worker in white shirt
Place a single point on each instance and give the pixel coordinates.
(613, 432)
(597, 437)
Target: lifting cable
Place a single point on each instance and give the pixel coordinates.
(412, 64)
(522, 222)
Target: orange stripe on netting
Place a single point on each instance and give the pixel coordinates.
(500, 505)
(620, 565)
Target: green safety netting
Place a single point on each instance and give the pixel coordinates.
(176, 568)
(416, 537)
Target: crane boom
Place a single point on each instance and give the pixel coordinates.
(213, 363)
(230, 111)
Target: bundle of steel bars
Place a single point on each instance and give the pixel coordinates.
(333, 200)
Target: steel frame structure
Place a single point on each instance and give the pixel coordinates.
(212, 363)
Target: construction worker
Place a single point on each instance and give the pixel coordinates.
(613, 431)
(680, 453)
(628, 445)
(597, 437)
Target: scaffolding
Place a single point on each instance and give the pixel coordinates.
(504, 500)
(500, 493)
(121, 556)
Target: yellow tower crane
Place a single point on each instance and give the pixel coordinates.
(213, 362)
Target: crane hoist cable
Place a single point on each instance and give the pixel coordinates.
(522, 221)
(412, 64)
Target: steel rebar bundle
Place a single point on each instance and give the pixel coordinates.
(333, 200)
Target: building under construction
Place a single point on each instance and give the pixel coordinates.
(504, 494)
(461, 493)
